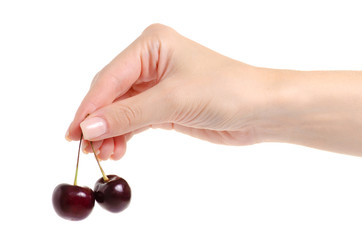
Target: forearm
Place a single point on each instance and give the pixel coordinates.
(320, 109)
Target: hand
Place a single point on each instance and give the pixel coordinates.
(164, 80)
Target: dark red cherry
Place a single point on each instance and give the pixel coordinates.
(113, 195)
(73, 202)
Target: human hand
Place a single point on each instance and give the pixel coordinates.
(164, 80)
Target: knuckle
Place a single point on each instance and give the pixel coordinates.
(158, 30)
(155, 28)
(127, 115)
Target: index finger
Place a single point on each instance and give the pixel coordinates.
(114, 80)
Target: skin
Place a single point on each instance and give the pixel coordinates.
(164, 80)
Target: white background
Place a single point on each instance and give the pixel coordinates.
(183, 188)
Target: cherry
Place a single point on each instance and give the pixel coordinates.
(73, 202)
(113, 195)
(111, 192)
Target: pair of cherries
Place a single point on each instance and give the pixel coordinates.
(73, 202)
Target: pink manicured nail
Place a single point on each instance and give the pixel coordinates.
(93, 127)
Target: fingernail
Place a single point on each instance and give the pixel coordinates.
(84, 146)
(67, 136)
(93, 127)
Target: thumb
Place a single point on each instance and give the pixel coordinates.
(124, 116)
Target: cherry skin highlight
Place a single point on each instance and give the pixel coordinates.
(72, 202)
(113, 195)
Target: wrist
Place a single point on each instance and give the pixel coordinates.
(319, 109)
(287, 109)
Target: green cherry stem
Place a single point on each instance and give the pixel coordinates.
(76, 169)
(105, 178)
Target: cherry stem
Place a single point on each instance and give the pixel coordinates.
(76, 169)
(105, 178)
